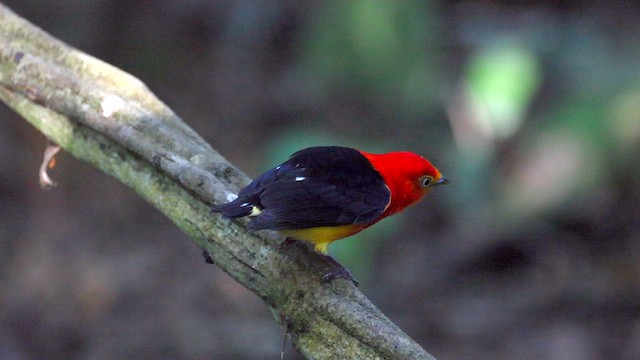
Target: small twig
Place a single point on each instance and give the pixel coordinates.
(284, 344)
(285, 325)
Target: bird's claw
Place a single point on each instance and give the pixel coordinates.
(207, 258)
(339, 272)
(288, 241)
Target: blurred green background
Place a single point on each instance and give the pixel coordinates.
(531, 109)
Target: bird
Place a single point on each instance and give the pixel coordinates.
(325, 193)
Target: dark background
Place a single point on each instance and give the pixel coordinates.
(532, 109)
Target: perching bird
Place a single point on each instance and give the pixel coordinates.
(326, 193)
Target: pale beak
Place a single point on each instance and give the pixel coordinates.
(443, 181)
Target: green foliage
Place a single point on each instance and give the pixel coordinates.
(502, 79)
(381, 49)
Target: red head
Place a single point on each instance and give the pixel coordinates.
(409, 176)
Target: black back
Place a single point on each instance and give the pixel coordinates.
(317, 186)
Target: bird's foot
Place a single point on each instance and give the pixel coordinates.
(288, 241)
(207, 257)
(340, 272)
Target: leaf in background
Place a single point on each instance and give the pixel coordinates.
(556, 163)
(382, 50)
(502, 80)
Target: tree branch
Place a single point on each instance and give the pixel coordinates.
(110, 119)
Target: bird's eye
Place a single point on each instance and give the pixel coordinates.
(426, 181)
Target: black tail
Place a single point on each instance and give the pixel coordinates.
(234, 209)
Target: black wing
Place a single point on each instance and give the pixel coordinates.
(319, 186)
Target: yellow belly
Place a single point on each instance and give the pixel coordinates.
(321, 237)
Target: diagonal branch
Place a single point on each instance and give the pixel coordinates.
(110, 119)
